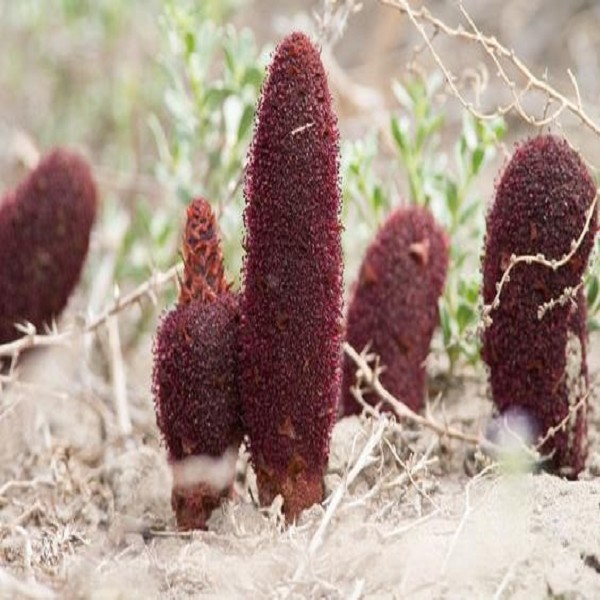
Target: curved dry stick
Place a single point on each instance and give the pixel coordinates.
(494, 49)
(540, 259)
(32, 339)
(403, 411)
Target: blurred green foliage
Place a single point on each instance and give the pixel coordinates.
(593, 297)
(215, 76)
(84, 75)
(593, 281)
(444, 184)
(366, 199)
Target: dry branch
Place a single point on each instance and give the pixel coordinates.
(420, 18)
(32, 339)
(13, 588)
(370, 376)
(540, 259)
(119, 378)
(361, 462)
(469, 509)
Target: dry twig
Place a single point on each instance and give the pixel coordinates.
(147, 289)
(13, 587)
(118, 377)
(469, 509)
(540, 259)
(370, 376)
(422, 17)
(361, 461)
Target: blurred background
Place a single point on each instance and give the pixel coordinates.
(116, 80)
(160, 97)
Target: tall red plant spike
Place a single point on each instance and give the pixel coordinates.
(538, 365)
(204, 273)
(394, 305)
(291, 304)
(45, 226)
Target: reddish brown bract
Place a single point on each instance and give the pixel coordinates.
(394, 306)
(45, 226)
(539, 365)
(290, 330)
(204, 274)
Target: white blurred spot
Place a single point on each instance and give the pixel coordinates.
(218, 472)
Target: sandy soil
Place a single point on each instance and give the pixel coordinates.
(84, 514)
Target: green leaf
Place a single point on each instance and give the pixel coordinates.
(378, 199)
(190, 43)
(469, 213)
(435, 123)
(452, 198)
(445, 322)
(593, 325)
(593, 288)
(253, 76)
(499, 128)
(477, 160)
(469, 130)
(245, 122)
(470, 291)
(399, 136)
(402, 95)
(230, 61)
(464, 316)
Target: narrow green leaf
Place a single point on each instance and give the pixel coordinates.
(402, 95)
(464, 316)
(245, 122)
(477, 159)
(399, 136)
(593, 287)
(452, 198)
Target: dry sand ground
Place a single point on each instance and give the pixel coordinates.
(86, 515)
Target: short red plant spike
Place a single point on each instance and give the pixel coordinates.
(394, 305)
(538, 363)
(45, 226)
(291, 303)
(197, 403)
(204, 273)
(196, 374)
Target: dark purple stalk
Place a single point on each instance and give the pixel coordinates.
(291, 304)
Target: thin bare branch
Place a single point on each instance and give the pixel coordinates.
(403, 411)
(540, 259)
(361, 462)
(422, 17)
(153, 284)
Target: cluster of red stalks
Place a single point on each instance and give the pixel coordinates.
(280, 382)
(265, 365)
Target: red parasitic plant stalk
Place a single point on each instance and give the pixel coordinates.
(204, 273)
(195, 377)
(197, 403)
(394, 306)
(45, 226)
(291, 302)
(538, 361)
